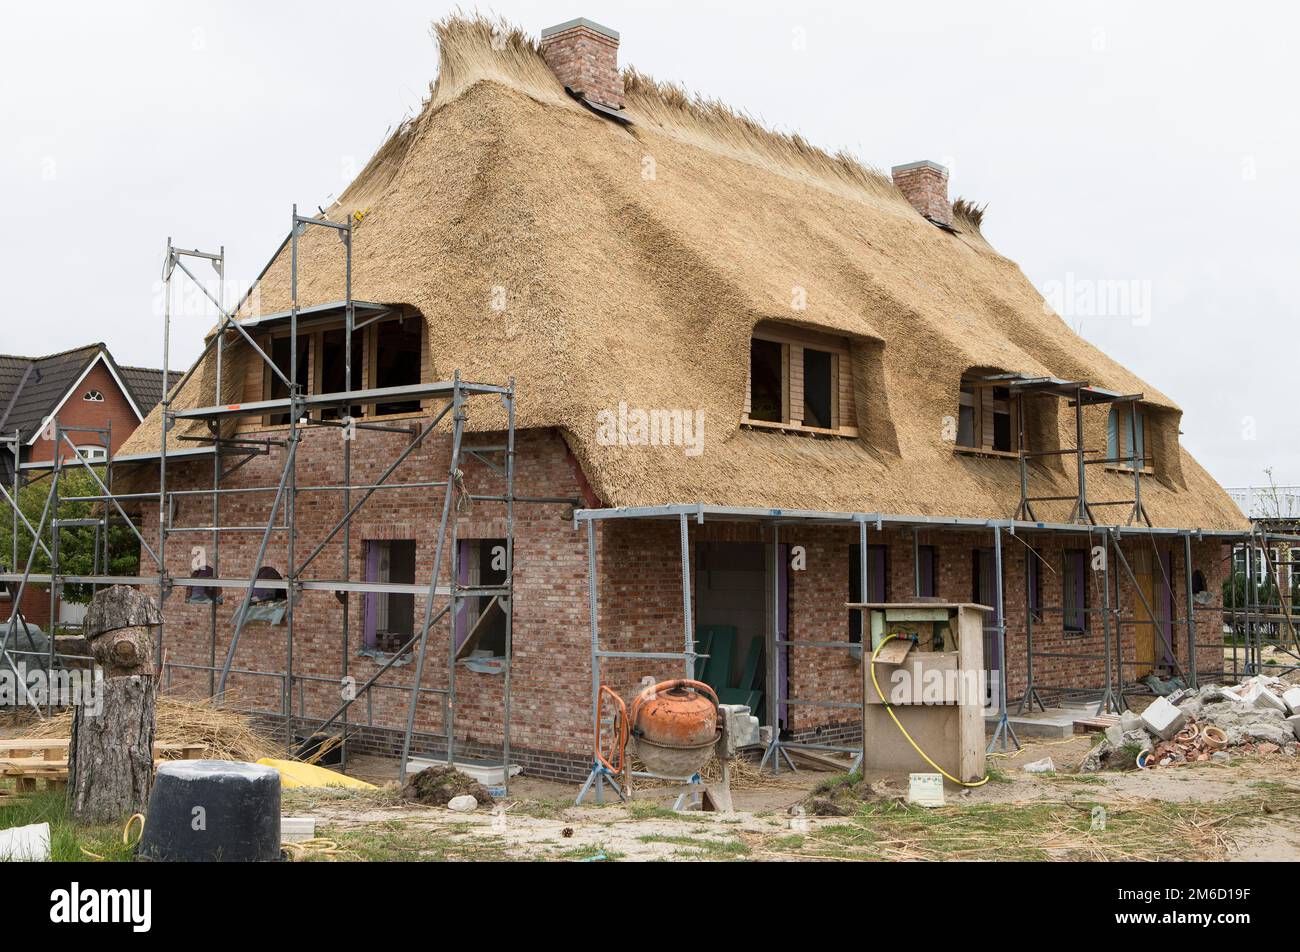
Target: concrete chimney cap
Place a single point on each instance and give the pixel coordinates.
(577, 22)
(923, 164)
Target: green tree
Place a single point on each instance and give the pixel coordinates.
(76, 543)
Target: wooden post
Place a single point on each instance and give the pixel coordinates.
(110, 759)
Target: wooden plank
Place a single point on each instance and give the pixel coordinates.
(894, 652)
(38, 767)
(817, 758)
(37, 744)
(1093, 725)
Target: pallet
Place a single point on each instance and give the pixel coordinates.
(1095, 724)
(31, 759)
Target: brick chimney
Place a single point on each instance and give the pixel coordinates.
(584, 57)
(925, 184)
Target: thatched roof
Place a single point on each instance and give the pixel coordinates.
(625, 287)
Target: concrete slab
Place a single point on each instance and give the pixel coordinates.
(1055, 722)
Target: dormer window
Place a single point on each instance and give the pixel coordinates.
(800, 381)
(1126, 437)
(986, 420)
(93, 396)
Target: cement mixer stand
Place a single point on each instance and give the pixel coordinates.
(737, 728)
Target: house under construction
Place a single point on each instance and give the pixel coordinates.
(584, 380)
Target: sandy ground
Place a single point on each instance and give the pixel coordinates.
(539, 821)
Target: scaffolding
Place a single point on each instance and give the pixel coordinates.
(1114, 568)
(1252, 628)
(300, 409)
(1077, 394)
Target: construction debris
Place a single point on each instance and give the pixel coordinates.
(463, 803)
(1046, 765)
(1163, 719)
(844, 795)
(438, 786)
(1204, 725)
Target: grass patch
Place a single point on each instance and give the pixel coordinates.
(306, 798)
(1077, 778)
(1047, 831)
(398, 842)
(550, 809)
(837, 782)
(595, 853)
(996, 774)
(648, 810)
(69, 843)
(701, 846)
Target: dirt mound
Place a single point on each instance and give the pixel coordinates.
(845, 794)
(435, 786)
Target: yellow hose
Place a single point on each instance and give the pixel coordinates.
(890, 708)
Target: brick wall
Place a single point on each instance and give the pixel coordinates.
(584, 57)
(641, 608)
(639, 605)
(925, 184)
(550, 676)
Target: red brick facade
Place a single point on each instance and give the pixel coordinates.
(640, 600)
(115, 412)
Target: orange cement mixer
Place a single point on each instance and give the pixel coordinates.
(672, 727)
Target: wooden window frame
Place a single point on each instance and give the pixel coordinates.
(363, 373)
(793, 341)
(268, 375)
(983, 410)
(1122, 415)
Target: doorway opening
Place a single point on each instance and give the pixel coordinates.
(733, 617)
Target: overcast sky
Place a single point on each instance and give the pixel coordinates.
(1140, 161)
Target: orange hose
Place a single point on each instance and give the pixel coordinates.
(615, 761)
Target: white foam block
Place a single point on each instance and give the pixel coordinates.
(25, 843)
(1266, 700)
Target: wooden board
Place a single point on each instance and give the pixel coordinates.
(894, 652)
(49, 760)
(1100, 722)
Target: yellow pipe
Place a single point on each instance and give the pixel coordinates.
(890, 708)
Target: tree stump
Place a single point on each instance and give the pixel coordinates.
(110, 759)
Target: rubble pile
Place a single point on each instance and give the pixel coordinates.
(1259, 715)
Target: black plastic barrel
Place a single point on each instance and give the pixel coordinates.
(213, 811)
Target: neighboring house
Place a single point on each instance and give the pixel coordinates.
(82, 387)
(807, 334)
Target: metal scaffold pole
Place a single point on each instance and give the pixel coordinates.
(1004, 732)
(453, 470)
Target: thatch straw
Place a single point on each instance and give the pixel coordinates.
(622, 286)
(967, 214)
(745, 775)
(224, 734)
